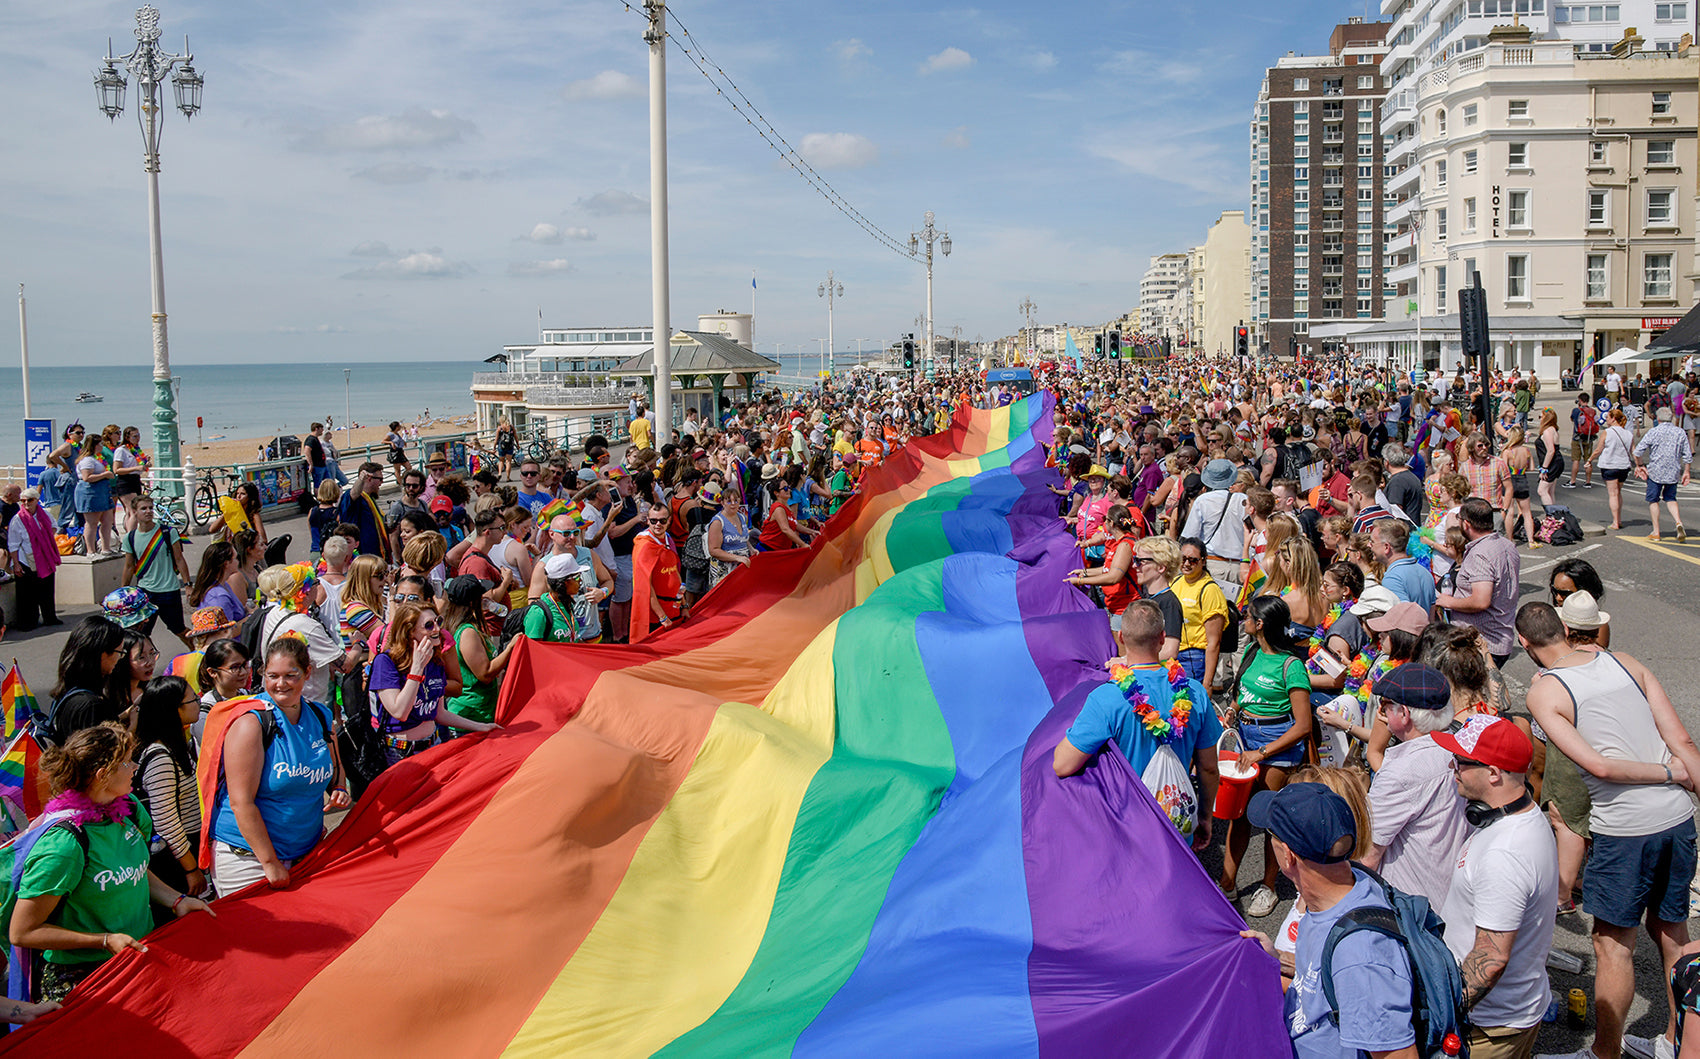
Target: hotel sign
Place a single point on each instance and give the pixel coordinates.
(1659, 323)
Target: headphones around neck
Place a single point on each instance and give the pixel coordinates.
(1480, 814)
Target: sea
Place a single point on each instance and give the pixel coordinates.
(236, 400)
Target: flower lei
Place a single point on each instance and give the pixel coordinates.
(85, 810)
(1180, 709)
(1320, 636)
(1365, 670)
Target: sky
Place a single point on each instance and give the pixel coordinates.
(415, 179)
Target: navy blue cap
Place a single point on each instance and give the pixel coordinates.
(1313, 821)
(1415, 685)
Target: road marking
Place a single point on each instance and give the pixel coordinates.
(1672, 552)
(1555, 561)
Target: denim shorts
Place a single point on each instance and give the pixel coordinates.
(1627, 875)
(1255, 735)
(1657, 491)
(1192, 660)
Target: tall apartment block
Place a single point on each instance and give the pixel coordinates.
(1317, 193)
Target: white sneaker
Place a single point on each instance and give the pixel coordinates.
(1659, 1047)
(1261, 902)
(1583, 1053)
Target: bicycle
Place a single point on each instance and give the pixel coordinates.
(169, 509)
(207, 494)
(538, 447)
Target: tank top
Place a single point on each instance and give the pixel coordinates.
(290, 799)
(477, 699)
(1614, 717)
(1125, 591)
(772, 536)
(518, 595)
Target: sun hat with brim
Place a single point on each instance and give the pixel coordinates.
(1407, 617)
(560, 567)
(1219, 474)
(1490, 740)
(1309, 819)
(710, 494)
(769, 472)
(1096, 472)
(128, 606)
(209, 620)
(1582, 611)
(1375, 599)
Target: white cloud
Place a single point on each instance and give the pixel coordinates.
(372, 248)
(612, 203)
(957, 138)
(540, 268)
(1185, 155)
(548, 234)
(415, 264)
(1042, 60)
(395, 173)
(609, 84)
(851, 50)
(839, 150)
(946, 61)
(318, 329)
(412, 128)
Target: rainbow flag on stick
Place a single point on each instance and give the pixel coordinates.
(17, 702)
(21, 781)
(1249, 589)
(554, 507)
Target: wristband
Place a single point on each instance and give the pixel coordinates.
(1668, 777)
(416, 676)
(177, 902)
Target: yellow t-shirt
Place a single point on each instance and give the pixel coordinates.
(1201, 600)
(640, 433)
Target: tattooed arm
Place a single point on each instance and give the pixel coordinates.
(1484, 964)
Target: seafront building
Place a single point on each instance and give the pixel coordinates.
(1316, 203)
(578, 380)
(1157, 313)
(1558, 171)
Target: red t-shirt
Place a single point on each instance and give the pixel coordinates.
(477, 564)
(772, 537)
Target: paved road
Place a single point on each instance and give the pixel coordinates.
(1655, 615)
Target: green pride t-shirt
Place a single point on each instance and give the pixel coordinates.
(105, 894)
(1269, 680)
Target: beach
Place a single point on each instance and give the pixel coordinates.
(228, 451)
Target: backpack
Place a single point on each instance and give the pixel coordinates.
(250, 631)
(1590, 424)
(1559, 526)
(362, 748)
(1437, 985)
(47, 733)
(1291, 459)
(694, 555)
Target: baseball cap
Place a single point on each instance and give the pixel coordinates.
(465, 590)
(443, 504)
(557, 567)
(1407, 617)
(1313, 821)
(1415, 685)
(1492, 741)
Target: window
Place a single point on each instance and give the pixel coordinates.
(1517, 155)
(1661, 102)
(1301, 84)
(1364, 283)
(1364, 306)
(1301, 107)
(1469, 115)
(1440, 122)
(1301, 150)
(1655, 276)
(1301, 262)
(1366, 172)
(1599, 208)
(1440, 289)
(1301, 172)
(1366, 151)
(1369, 82)
(1440, 225)
(1517, 108)
(1661, 152)
(1661, 207)
(1517, 209)
(1301, 195)
(1301, 305)
(1366, 127)
(1440, 173)
(1469, 270)
(1517, 277)
(1365, 261)
(1597, 282)
(1670, 12)
(1470, 215)
(1597, 152)
(1300, 240)
(1585, 13)
(1366, 194)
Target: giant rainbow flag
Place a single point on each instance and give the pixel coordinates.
(818, 819)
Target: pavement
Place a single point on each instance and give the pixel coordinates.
(1650, 595)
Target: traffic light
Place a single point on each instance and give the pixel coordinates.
(1242, 341)
(1100, 346)
(909, 354)
(1115, 345)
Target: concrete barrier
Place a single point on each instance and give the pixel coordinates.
(84, 580)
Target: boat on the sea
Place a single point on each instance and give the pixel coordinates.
(89, 398)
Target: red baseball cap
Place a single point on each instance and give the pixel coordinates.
(1492, 741)
(442, 503)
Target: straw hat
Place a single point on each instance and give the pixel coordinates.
(1582, 611)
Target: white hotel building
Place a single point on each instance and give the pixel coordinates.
(1517, 144)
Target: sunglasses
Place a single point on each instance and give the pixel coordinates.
(430, 626)
(406, 599)
(1460, 764)
(1191, 560)
(528, 474)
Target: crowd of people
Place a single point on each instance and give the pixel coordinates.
(1310, 575)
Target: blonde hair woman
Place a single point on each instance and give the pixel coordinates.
(1519, 460)
(1299, 582)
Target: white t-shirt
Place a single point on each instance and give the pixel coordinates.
(1614, 382)
(1415, 811)
(1507, 879)
(604, 548)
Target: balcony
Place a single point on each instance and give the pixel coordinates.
(1405, 180)
(1400, 243)
(1406, 273)
(1401, 151)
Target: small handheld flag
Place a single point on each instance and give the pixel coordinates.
(17, 702)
